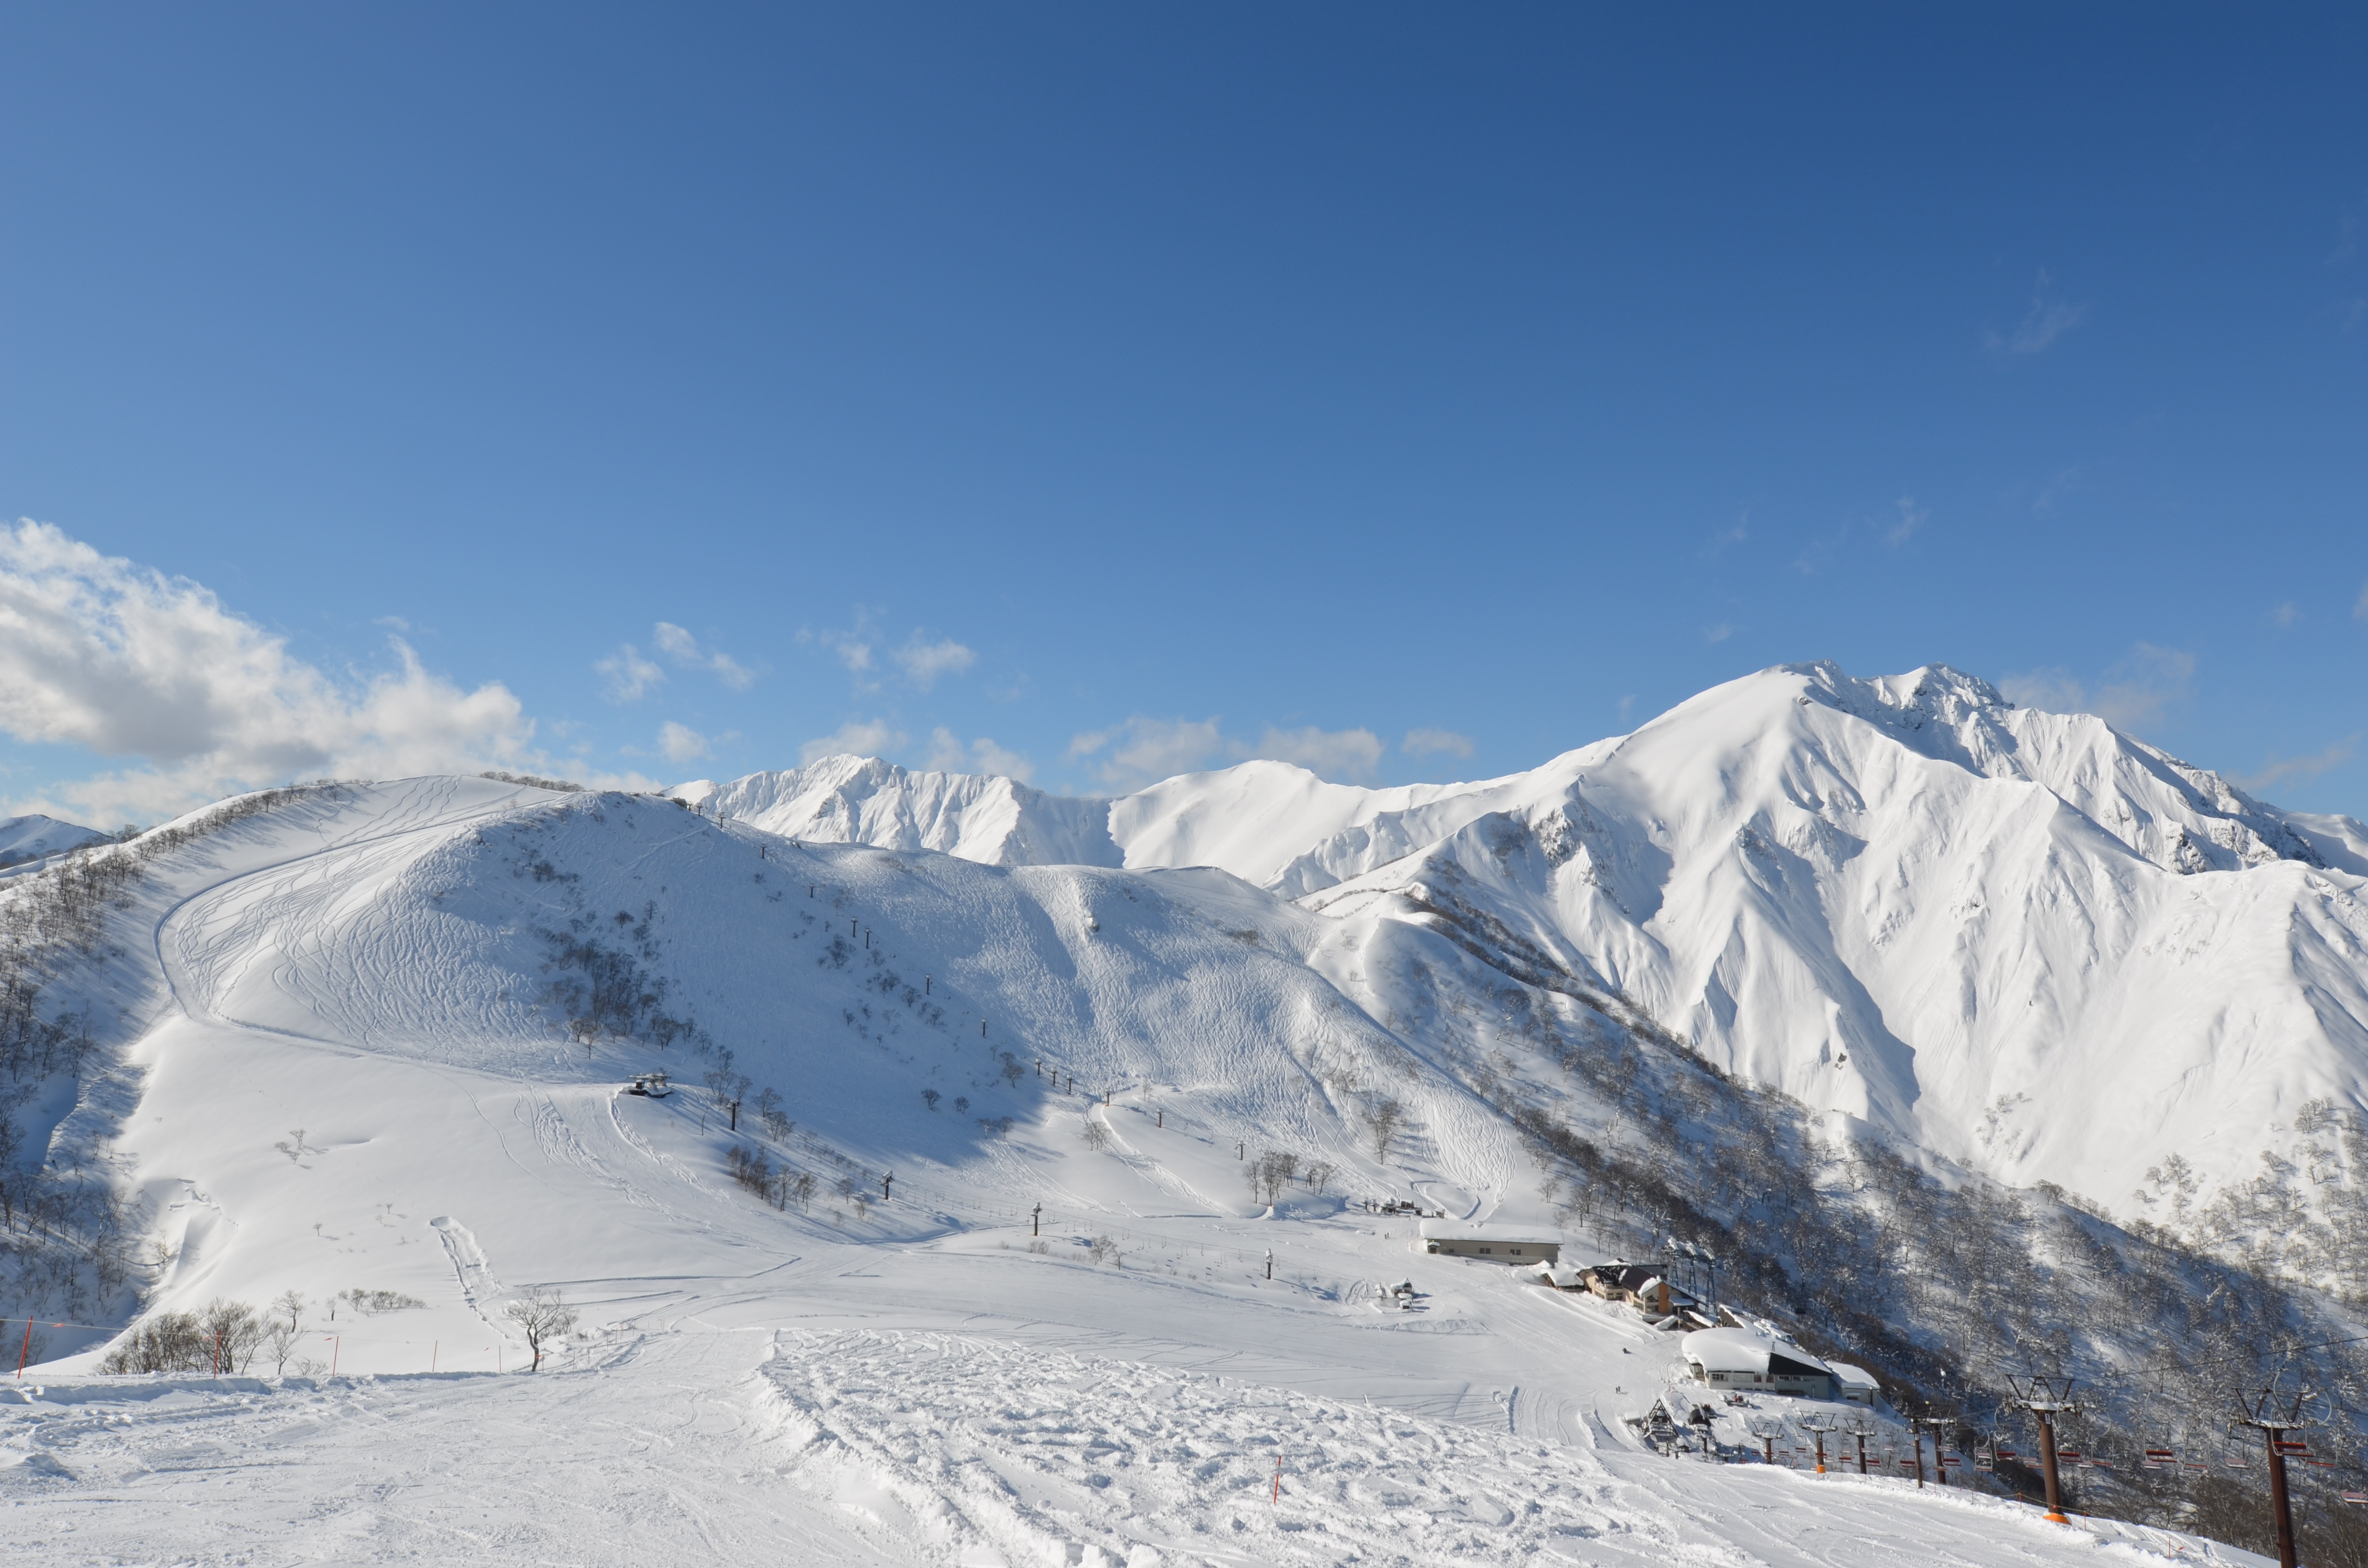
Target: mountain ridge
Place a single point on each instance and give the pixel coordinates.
(1906, 898)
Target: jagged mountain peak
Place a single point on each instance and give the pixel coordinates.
(1903, 897)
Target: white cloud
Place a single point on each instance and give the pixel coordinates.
(2135, 691)
(1718, 633)
(946, 752)
(680, 743)
(1912, 520)
(2296, 769)
(856, 737)
(2286, 614)
(683, 648)
(2048, 319)
(99, 652)
(853, 649)
(993, 758)
(1336, 754)
(1435, 743)
(1144, 751)
(921, 659)
(947, 755)
(924, 660)
(626, 677)
(2359, 605)
(1720, 542)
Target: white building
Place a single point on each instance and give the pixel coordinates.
(1858, 1384)
(1745, 1362)
(1498, 1243)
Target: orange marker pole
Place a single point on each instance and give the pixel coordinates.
(27, 1349)
(1278, 1478)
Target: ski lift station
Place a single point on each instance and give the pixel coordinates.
(1740, 1360)
(1497, 1244)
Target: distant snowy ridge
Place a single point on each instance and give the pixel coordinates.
(32, 837)
(2023, 939)
(857, 800)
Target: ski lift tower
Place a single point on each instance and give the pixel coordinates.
(2046, 1398)
(1701, 1265)
(1822, 1426)
(2273, 1413)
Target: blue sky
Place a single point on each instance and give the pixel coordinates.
(1097, 391)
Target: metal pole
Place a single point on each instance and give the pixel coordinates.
(1916, 1436)
(2278, 1497)
(1036, 1220)
(2047, 1468)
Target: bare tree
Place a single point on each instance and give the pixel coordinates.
(286, 1327)
(1097, 1135)
(543, 1316)
(1270, 1174)
(234, 1332)
(1384, 1117)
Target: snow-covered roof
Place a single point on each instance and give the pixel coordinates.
(1741, 1350)
(1851, 1376)
(1488, 1231)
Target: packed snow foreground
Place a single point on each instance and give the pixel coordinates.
(1020, 1210)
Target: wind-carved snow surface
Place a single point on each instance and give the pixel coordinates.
(2022, 939)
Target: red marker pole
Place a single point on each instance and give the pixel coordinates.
(1278, 1478)
(333, 1354)
(27, 1349)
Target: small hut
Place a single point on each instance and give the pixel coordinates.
(1739, 1360)
(1497, 1244)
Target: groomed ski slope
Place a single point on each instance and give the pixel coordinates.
(353, 1080)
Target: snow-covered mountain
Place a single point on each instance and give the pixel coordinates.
(2024, 939)
(32, 837)
(1007, 1209)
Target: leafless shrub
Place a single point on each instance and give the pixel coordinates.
(542, 1317)
(562, 785)
(371, 1302)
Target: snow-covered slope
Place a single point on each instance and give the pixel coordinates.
(31, 837)
(371, 1043)
(2023, 939)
